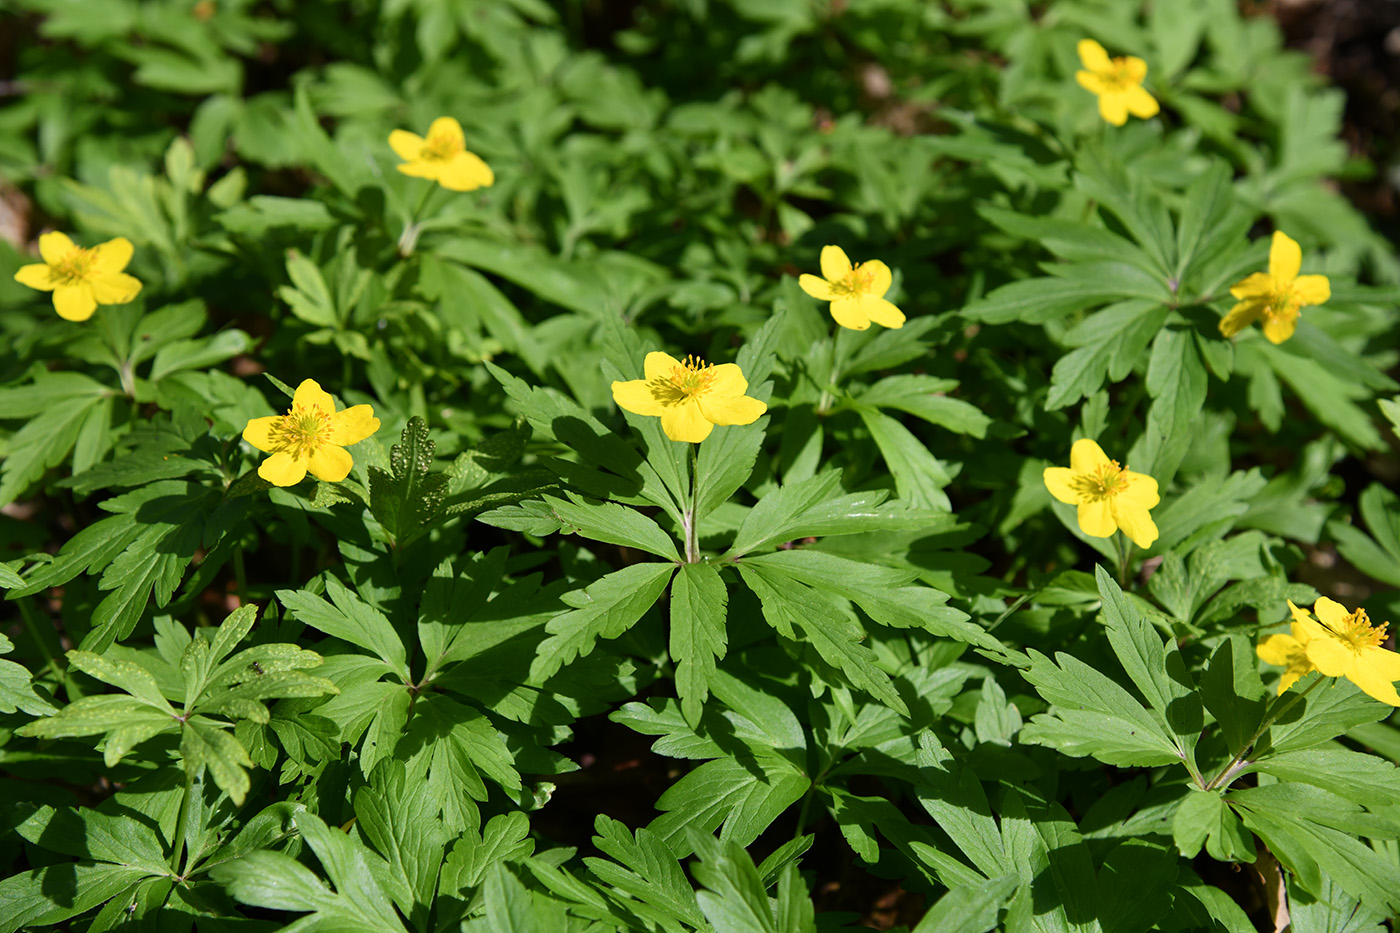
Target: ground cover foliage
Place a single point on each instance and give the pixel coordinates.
(470, 638)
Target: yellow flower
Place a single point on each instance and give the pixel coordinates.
(1109, 497)
(443, 156)
(1117, 82)
(1346, 644)
(81, 279)
(1276, 295)
(311, 436)
(856, 293)
(1291, 651)
(690, 397)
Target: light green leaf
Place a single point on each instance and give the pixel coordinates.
(746, 795)
(918, 475)
(350, 619)
(613, 523)
(698, 635)
(604, 609)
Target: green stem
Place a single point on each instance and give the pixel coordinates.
(691, 520)
(1238, 763)
(408, 241)
(177, 845)
(1125, 551)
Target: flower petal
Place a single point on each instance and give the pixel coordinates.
(112, 256)
(282, 469)
(1135, 521)
(636, 396)
(1331, 657)
(1383, 662)
(1086, 456)
(449, 127)
(1141, 490)
(882, 312)
(407, 146)
(430, 170)
(815, 286)
(1276, 649)
(849, 313)
(1241, 316)
(879, 279)
(1060, 482)
(835, 264)
(1285, 258)
(74, 302)
(1331, 613)
(1257, 285)
(331, 463)
(740, 410)
(1287, 679)
(1093, 56)
(1091, 82)
(115, 288)
(1140, 103)
(1096, 520)
(466, 172)
(351, 426)
(55, 247)
(658, 365)
(1279, 326)
(684, 422)
(259, 432)
(310, 395)
(1312, 289)
(1375, 684)
(727, 381)
(1134, 68)
(1113, 107)
(36, 275)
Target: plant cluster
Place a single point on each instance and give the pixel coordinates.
(364, 490)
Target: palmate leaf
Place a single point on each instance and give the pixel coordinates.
(604, 609)
(646, 871)
(1108, 344)
(745, 794)
(66, 401)
(698, 634)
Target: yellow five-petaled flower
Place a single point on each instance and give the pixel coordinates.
(311, 436)
(1109, 497)
(1116, 82)
(690, 397)
(1344, 644)
(81, 279)
(443, 156)
(856, 292)
(1276, 296)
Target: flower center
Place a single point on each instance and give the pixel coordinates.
(75, 267)
(1103, 483)
(1117, 76)
(441, 147)
(1358, 633)
(856, 282)
(1282, 302)
(692, 378)
(301, 432)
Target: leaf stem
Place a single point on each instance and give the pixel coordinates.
(409, 239)
(691, 520)
(1237, 764)
(177, 844)
(1125, 551)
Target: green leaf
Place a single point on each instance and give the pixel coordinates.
(1331, 398)
(734, 899)
(613, 523)
(604, 609)
(1109, 344)
(398, 817)
(309, 297)
(745, 794)
(1203, 819)
(1365, 779)
(1323, 714)
(645, 869)
(509, 907)
(698, 635)
(407, 499)
(924, 397)
(351, 620)
(204, 744)
(918, 475)
(973, 910)
(46, 896)
(199, 354)
(1232, 691)
(505, 837)
(43, 443)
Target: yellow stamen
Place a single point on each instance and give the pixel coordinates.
(1358, 632)
(441, 147)
(75, 267)
(301, 432)
(692, 378)
(1104, 483)
(856, 282)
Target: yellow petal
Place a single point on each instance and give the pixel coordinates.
(835, 264)
(1280, 326)
(1375, 685)
(1276, 649)
(55, 247)
(406, 145)
(727, 381)
(658, 365)
(1140, 491)
(1307, 630)
(259, 432)
(466, 172)
(684, 422)
(818, 288)
(1086, 456)
(112, 256)
(1257, 285)
(351, 426)
(882, 312)
(849, 313)
(1299, 614)
(1331, 613)
(1093, 56)
(1135, 521)
(1288, 679)
(1285, 258)
(36, 275)
(1091, 82)
(1113, 107)
(430, 170)
(1060, 482)
(1385, 663)
(114, 288)
(282, 469)
(310, 395)
(74, 302)
(740, 410)
(879, 279)
(1096, 520)
(1331, 656)
(1312, 289)
(1241, 316)
(637, 397)
(1140, 103)
(447, 126)
(331, 464)
(1134, 68)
